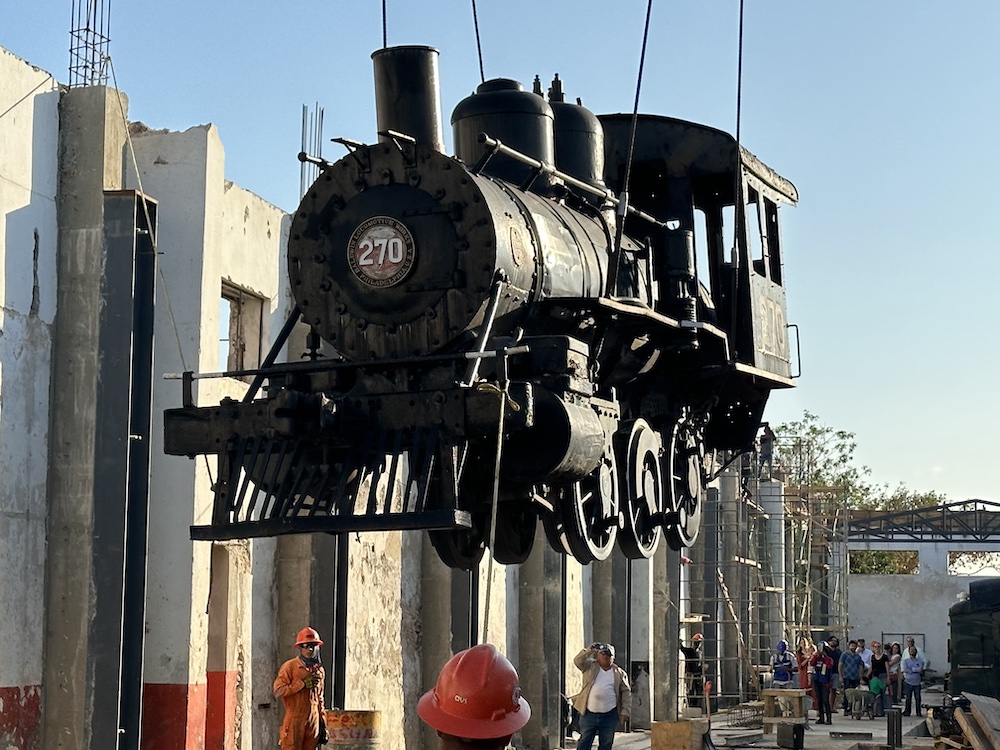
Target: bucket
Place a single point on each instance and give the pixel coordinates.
(353, 730)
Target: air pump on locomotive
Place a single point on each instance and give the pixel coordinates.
(496, 340)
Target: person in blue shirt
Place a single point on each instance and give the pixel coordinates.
(852, 668)
(783, 665)
(913, 668)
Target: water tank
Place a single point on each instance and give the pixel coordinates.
(505, 111)
(579, 139)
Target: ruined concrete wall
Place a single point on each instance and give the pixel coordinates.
(29, 134)
(910, 604)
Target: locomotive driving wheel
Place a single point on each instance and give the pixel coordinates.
(461, 549)
(517, 520)
(454, 488)
(686, 477)
(549, 499)
(590, 513)
(642, 491)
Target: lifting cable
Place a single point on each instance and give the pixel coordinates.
(739, 205)
(611, 288)
(385, 27)
(152, 238)
(491, 538)
(479, 44)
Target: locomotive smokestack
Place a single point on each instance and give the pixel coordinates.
(408, 94)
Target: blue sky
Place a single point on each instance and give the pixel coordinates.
(885, 115)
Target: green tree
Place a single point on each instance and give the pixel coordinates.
(822, 457)
(812, 454)
(816, 455)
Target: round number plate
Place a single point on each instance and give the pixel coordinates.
(381, 251)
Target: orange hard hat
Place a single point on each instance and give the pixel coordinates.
(307, 635)
(477, 696)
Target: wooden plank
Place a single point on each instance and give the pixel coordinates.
(784, 692)
(948, 741)
(986, 711)
(678, 735)
(972, 731)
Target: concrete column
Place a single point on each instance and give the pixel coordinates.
(642, 644)
(436, 622)
(84, 573)
(771, 494)
(264, 710)
(541, 616)
(610, 590)
(665, 566)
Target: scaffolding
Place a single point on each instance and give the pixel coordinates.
(770, 564)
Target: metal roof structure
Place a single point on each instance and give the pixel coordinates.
(970, 520)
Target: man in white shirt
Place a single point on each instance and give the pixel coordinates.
(866, 655)
(605, 698)
(920, 652)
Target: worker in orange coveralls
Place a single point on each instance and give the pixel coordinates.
(300, 685)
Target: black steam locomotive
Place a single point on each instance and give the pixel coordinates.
(496, 339)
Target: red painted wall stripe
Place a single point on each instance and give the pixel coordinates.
(20, 717)
(173, 716)
(220, 717)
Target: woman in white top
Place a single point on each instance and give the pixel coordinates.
(895, 671)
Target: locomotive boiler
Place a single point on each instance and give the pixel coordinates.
(510, 336)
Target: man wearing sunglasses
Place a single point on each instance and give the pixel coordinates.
(300, 685)
(605, 698)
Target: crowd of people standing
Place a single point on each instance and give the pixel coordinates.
(866, 676)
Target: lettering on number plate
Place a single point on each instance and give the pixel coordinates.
(381, 251)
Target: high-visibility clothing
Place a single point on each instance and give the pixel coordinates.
(303, 706)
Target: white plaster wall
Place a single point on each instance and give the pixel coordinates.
(29, 136)
(910, 604)
(173, 169)
(209, 230)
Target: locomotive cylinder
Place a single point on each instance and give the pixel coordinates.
(407, 93)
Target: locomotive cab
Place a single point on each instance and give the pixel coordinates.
(727, 262)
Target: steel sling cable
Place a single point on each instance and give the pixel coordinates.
(739, 218)
(611, 287)
(152, 236)
(479, 44)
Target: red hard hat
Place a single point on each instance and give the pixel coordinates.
(697, 637)
(307, 635)
(477, 696)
